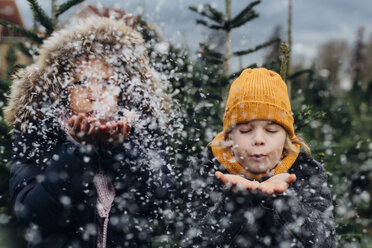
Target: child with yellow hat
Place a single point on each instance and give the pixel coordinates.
(253, 187)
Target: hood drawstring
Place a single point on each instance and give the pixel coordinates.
(106, 195)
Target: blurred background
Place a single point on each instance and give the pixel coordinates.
(323, 49)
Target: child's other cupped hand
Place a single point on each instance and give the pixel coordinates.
(86, 130)
(276, 184)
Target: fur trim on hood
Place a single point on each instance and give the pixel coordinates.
(40, 86)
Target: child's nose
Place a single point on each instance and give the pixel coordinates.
(258, 138)
(93, 91)
(259, 142)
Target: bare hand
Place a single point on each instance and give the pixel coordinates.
(86, 130)
(235, 180)
(83, 129)
(277, 184)
(112, 134)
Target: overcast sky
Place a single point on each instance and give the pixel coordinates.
(314, 21)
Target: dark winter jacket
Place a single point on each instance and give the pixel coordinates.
(222, 217)
(51, 185)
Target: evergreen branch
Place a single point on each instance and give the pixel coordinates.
(299, 73)
(193, 8)
(28, 34)
(245, 11)
(273, 65)
(11, 58)
(211, 52)
(210, 13)
(244, 52)
(213, 60)
(211, 56)
(351, 236)
(19, 66)
(202, 22)
(305, 116)
(21, 47)
(236, 74)
(246, 18)
(217, 15)
(4, 84)
(284, 57)
(41, 16)
(67, 5)
(227, 25)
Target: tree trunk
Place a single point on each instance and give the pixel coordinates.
(227, 41)
(226, 70)
(289, 83)
(54, 13)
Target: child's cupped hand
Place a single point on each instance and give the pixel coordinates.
(86, 130)
(276, 184)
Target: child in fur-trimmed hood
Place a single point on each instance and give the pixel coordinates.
(88, 163)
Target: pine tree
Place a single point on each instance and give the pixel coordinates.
(274, 51)
(358, 59)
(342, 141)
(218, 20)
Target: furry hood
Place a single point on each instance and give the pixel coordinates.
(40, 86)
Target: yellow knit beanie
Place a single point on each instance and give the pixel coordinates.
(257, 94)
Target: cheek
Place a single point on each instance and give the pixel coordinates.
(238, 139)
(110, 100)
(240, 145)
(78, 99)
(278, 144)
(238, 153)
(109, 95)
(108, 104)
(77, 94)
(73, 99)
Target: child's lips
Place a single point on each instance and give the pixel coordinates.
(258, 157)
